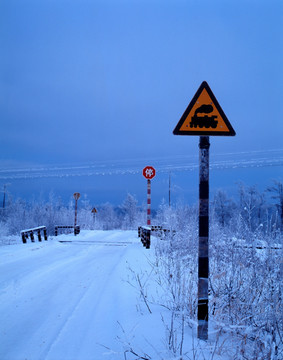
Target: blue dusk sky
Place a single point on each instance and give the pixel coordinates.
(91, 90)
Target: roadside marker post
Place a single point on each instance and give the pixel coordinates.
(149, 173)
(204, 117)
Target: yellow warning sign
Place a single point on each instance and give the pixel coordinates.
(204, 116)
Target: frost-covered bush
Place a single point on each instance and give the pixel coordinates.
(245, 282)
(246, 293)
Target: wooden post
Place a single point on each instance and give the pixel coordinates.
(203, 256)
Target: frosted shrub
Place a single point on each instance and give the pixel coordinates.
(177, 274)
(129, 212)
(245, 289)
(246, 294)
(4, 230)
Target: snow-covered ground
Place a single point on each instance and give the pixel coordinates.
(62, 300)
(78, 298)
(74, 298)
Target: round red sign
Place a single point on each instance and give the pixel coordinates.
(148, 172)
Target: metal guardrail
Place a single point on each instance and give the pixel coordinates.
(31, 232)
(145, 236)
(144, 233)
(76, 228)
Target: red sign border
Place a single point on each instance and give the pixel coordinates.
(149, 167)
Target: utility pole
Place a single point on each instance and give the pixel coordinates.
(170, 189)
(76, 197)
(4, 196)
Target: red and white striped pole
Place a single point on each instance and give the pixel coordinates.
(149, 173)
(148, 202)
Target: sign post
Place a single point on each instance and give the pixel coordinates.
(149, 173)
(94, 212)
(76, 197)
(204, 117)
(203, 259)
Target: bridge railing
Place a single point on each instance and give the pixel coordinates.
(144, 233)
(25, 234)
(62, 227)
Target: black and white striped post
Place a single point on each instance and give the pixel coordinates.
(203, 254)
(203, 117)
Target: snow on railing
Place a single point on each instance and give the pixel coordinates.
(76, 228)
(144, 233)
(30, 232)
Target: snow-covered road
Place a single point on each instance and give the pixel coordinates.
(62, 300)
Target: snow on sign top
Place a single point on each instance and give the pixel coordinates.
(148, 172)
(204, 116)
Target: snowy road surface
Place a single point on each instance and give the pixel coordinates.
(62, 300)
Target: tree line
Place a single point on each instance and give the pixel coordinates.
(253, 211)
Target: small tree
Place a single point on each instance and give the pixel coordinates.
(107, 218)
(252, 207)
(223, 207)
(129, 212)
(277, 190)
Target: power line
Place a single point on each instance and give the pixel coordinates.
(254, 159)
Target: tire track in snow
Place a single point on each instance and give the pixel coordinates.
(71, 319)
(52, 285)
(26, 308)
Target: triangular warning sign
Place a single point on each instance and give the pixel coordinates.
(204, 116)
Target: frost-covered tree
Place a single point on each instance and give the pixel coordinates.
(277, 191)
(18, 216)
(86, 219)
(129, 212)
(223, 207)
(107, 218)
(252, 206)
